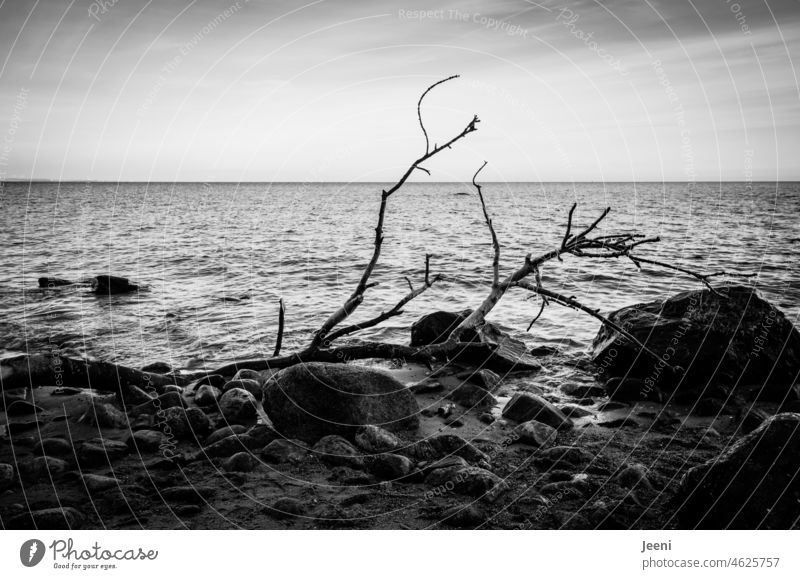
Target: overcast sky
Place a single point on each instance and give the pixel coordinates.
(326, 90)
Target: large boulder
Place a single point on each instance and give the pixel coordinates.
(754, 484)
(732, 338)
(524, 407)
(309, 401)
(508, 354)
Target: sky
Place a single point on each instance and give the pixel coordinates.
(326, 90)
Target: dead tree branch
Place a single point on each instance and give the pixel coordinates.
(279, 339)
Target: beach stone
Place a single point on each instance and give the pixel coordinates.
(375, 440)
(252, 386)
(207, 395)
(583, 390)
(435, 328)
(573, 411)
(281, 451)
(463, 517)
(472, 396)
(105, 416)
(56, 519)
(287, 507)
(263, 434)
(240, 462)
(391, 466)
(309, 401)
(215, 380)
(53, 447)
(619, 423)
(157, 368)
(100, 451)
(470, 480)
(452, 444)
(194, 494)
(97, 483)
(633, 476)
(229, 446)
(42, 468)
(225, 432)
(626, 389)
(238, 406)
(185, 424)
(6, 475)
(161, 403)
(562, 456)
(486, 379)
(536, 433)
(524, 406)
(22, 408)
(334, 450)
(147, 440)
(736, 339)
(753, 484)
(246, 374)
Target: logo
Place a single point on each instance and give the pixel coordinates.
(32, 552)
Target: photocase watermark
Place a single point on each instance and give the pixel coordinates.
(478, 18)
(766, 326)
(100, 8)
(741, 19)
(547, 505)
(568, 18)
(31, 552)
(20, 104)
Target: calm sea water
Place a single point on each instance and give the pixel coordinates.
(215, 258)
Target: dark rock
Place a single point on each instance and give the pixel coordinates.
(207, 395)
(147, 440)
(486, 418)
(157, 368)
(633, 476)
(230, 446)
(446, 462)
(425, 387)
(751, 419)
(611, 406)
(263, 434)
(435, 328)
(737, 339)
(560, 456)
(214, 380)
(6, 476)
(452, 444)
(446, 410)
(535, 433)
(101, 451)
(55, 519)
(111, 284)
(375, 440)
(105, 416)
(486, 379)
(287, 507)
(336, 451)
(185, 423)
(188, 494)
(42, 468)
(619, 423)
(472, 396)
(245, 374)
(709, 407)
(225, 432)
(308, 401)
(51, 282)
(470, 480)
(463, 517)
(391, 466)
(238, 406)
(66, 391)
(156, 405)
(240, 462)
(96, 483)
(583, 390)
(252, 386)
(22, 408)
(523, 407)
(541, 351)
(753, 484)
(280, 451)
(53, 447)
(631, 389)
(573, 411)
(15, 429)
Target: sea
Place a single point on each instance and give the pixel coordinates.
(214, 259)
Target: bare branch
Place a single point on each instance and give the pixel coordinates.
(495, 242)
(279, 339)
(419, 108)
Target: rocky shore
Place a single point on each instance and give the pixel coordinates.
(706, 434)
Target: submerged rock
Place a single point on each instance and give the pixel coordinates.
(435, 328)
(111, 284)
(754, 484)
(735, 339)
(308, 401)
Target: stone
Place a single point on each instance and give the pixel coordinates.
(252, 386)
(245, 374)
(562, 456)
(573, 411)
(207, 395)
(627, 389)
(51, 282)
(486, 418)
(229, 446)
(281, 451)
(159, 404)
(535, 433)
(53, 447)
(100, 452)
(194, 494)
(751, 419)
(262, 434)
(486, 379)
(435, 328)
(470, 480)
(22, 408)
(583, 390)
(287, 507)
(225, 432)
(55, 519)
(185, 424)
(753, 484)
(42, 468)
(376, 440)
(463, 517)
(619, 423)
(542, 351)
(391, 466)
(238, 406)
(157, 368)
(524, 406)
(735, 338)
(471, 395)
(96, 483)
(105, 416)
(334, 450)
(112, 284)
(633, 476)
(452, 444)
(6, 476)
(147, 440)
(240, 462)
(309, 401)
(215, 380)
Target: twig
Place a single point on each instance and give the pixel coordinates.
(495, 242)
(279, 340)
(419, 111)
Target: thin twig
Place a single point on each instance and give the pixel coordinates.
(419, 110)
(279, 339)
(495, 242)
